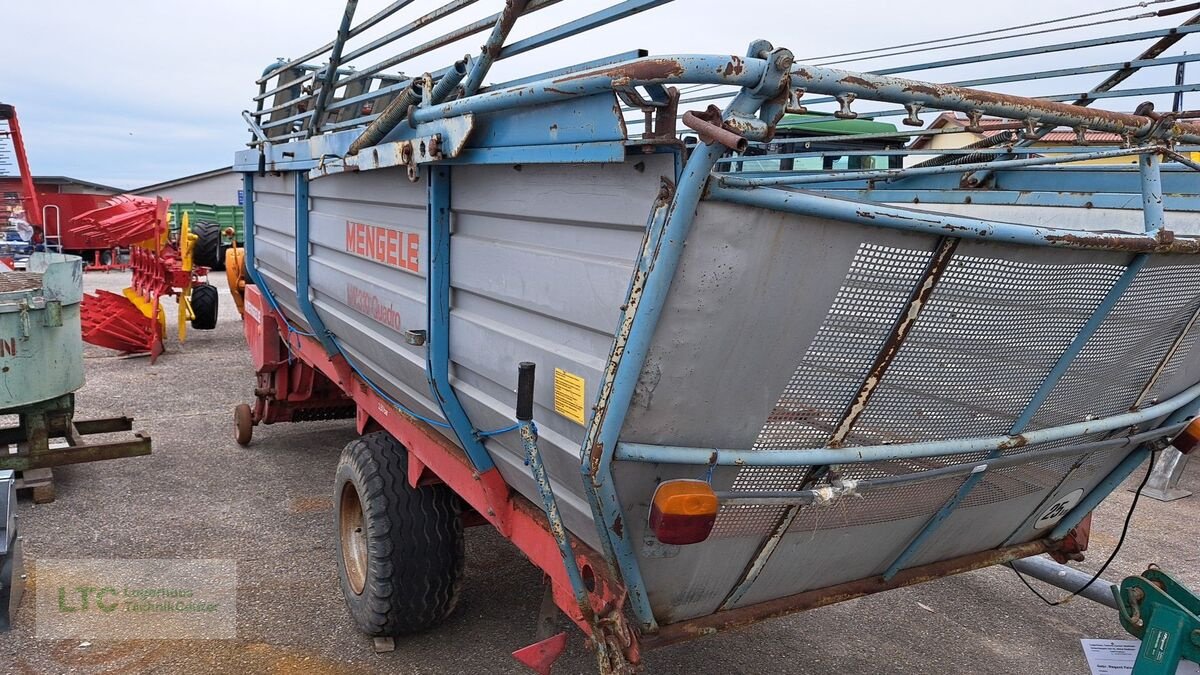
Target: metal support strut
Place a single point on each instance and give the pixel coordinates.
(437, 355)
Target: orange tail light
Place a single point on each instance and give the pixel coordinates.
(1188, 439)
(683, 511)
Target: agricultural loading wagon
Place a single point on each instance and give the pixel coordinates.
(695, 393)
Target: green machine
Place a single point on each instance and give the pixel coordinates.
(210, 222)
(1165, 616)
(41, 366)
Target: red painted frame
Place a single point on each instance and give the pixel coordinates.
(431, 456)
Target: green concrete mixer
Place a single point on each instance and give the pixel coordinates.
(41, 366)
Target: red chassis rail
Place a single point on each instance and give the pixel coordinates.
(284, 390)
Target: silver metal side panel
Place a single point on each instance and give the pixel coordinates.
(770, 328)
(541, 260)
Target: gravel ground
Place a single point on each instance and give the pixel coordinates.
(269, 508)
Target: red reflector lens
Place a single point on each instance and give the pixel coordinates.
(1188, 439)
(683, 511)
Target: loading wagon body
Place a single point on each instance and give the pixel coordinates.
(879, 388)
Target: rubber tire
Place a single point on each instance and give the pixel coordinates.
(414, 541)
(204, 306)
(243, 424)
(208, 245)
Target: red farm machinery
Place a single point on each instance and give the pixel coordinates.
(135, 321)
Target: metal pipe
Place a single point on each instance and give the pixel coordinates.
(665, 454)
(335, 60)
(889, 174)
(1150, 168)
(805, 497)
(836, 208)
(714, 133)
(698, 69)
(834, 82)
(491, 48)
(1068, 579)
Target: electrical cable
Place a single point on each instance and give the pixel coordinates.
(1120, 542)
(995, 31)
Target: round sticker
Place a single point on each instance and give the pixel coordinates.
(1061, 507)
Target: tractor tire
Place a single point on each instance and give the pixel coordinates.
(208, 245)
(400, 549)
(204, 307)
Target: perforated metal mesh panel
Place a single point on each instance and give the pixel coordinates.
(1128, 347)
(876, 289)
(987, 338)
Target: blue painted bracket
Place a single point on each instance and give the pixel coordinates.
(303, 285)
(437, 353)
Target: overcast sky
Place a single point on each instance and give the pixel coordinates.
(131, 92)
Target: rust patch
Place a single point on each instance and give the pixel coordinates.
(860, 82)
(1163, 241)
(642, 69)
(735, 66)
(618, 527)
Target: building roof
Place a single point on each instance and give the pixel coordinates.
(990, 126)
(67, 180)
(155, 187)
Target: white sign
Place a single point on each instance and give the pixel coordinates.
(1116, 657)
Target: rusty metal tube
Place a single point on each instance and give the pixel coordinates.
(833, 82)
(712, 133)
(395, 113)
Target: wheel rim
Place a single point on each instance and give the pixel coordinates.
(353, 536)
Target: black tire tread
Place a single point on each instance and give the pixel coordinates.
(204, 307)
(207, 252)
(416, 550)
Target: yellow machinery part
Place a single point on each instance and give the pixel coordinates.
(235, 272)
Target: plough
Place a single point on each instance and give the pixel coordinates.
(134, 321)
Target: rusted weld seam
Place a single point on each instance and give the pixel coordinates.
(1166, 359)
(903, 326)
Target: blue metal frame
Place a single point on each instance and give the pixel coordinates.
(303, 284)
(764, 78)
(437, 352)
(662, 248)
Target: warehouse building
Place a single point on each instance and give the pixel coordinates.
(221, 187)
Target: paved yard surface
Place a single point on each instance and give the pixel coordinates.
(269, 508)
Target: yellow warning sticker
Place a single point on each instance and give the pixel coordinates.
(568, 395)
